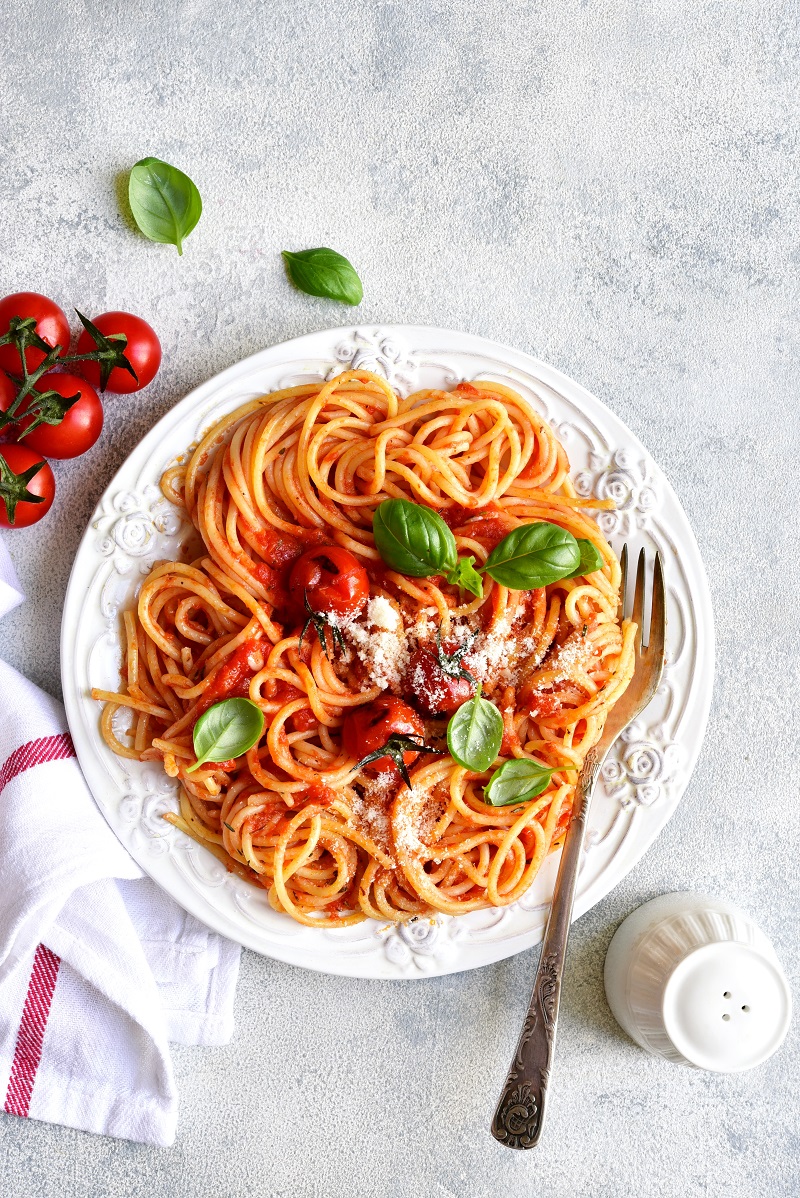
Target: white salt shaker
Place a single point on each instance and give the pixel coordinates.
(693, 979)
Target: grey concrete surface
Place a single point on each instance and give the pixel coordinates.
(611, 185)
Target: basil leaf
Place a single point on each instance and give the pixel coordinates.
(466, 577)
(165, 203)
(475, 733)
(517, 781)
(533, 555)
(324, 272)
(227, 730)
(412, 539)
(591, 559)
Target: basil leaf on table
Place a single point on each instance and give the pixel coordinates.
(533, 555)
(165, 203)
(412, 539)
(475, 733)
(227, 730)
(325, 273)
(591, 559)
(517, 781)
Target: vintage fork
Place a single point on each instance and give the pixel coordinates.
(519, 1116)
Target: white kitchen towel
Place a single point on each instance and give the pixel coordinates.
(10, 591)
(99, 968)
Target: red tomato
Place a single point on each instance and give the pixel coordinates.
(17, 460)
(51, 325)
(435, 691)
(332, 579)
(80, 426)
(368, 728)
(143, 351)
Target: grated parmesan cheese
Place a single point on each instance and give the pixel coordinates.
(380, 642)
(405, 832)
(382, 614)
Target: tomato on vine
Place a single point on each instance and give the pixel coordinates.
(43, 318)
(51, 426)
(8, 393)
(133, 337)
(27, 486)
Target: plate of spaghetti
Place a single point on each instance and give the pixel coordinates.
(342, 630)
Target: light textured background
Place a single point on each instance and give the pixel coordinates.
(611, 186)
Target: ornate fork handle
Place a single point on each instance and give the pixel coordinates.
(519, 1116)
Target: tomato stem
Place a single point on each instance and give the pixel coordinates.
(14, 487)
(49, 407)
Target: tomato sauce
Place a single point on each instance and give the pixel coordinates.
(231, 679)
(486, 524)
(457, 514)
(280, 550)
(303, 720)
(545, 703)
(376, 572)
(271, 818)
(528, 839)
(318, 793)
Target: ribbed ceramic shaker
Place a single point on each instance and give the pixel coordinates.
(693, 979)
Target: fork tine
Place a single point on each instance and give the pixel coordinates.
(637, 615)
(623, 582)
(658, 614)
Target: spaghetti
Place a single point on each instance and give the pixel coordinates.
(334, 842)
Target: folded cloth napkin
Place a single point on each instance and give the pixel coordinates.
(10, 591)
(99, 968)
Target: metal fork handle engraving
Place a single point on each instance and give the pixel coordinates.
(519, 1117)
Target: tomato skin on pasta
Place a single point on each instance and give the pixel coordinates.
(299, 473)
(233, 676)
(331, 580)
(367, 729)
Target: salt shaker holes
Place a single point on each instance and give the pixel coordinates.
(669, 964)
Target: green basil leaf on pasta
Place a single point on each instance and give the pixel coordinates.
(591, 559)
(517, 781)
(325, 273)
(164, 201)
(475, 733)
(466, 577)
(412, 539)
(533, 555)
(227, 730)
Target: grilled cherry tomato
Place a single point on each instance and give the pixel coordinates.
(79, 428)
(435, 691)
(367, 729)
(51, 325)
(332, 579)
(143, 351)
(17, 460)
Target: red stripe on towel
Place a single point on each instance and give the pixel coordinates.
(30, 1037)
(35, 752)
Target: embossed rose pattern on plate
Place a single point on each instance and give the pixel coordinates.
(642, 780)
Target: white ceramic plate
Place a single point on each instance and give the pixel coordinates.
(643, 779)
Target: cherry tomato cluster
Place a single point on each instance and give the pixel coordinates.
(49, 406)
